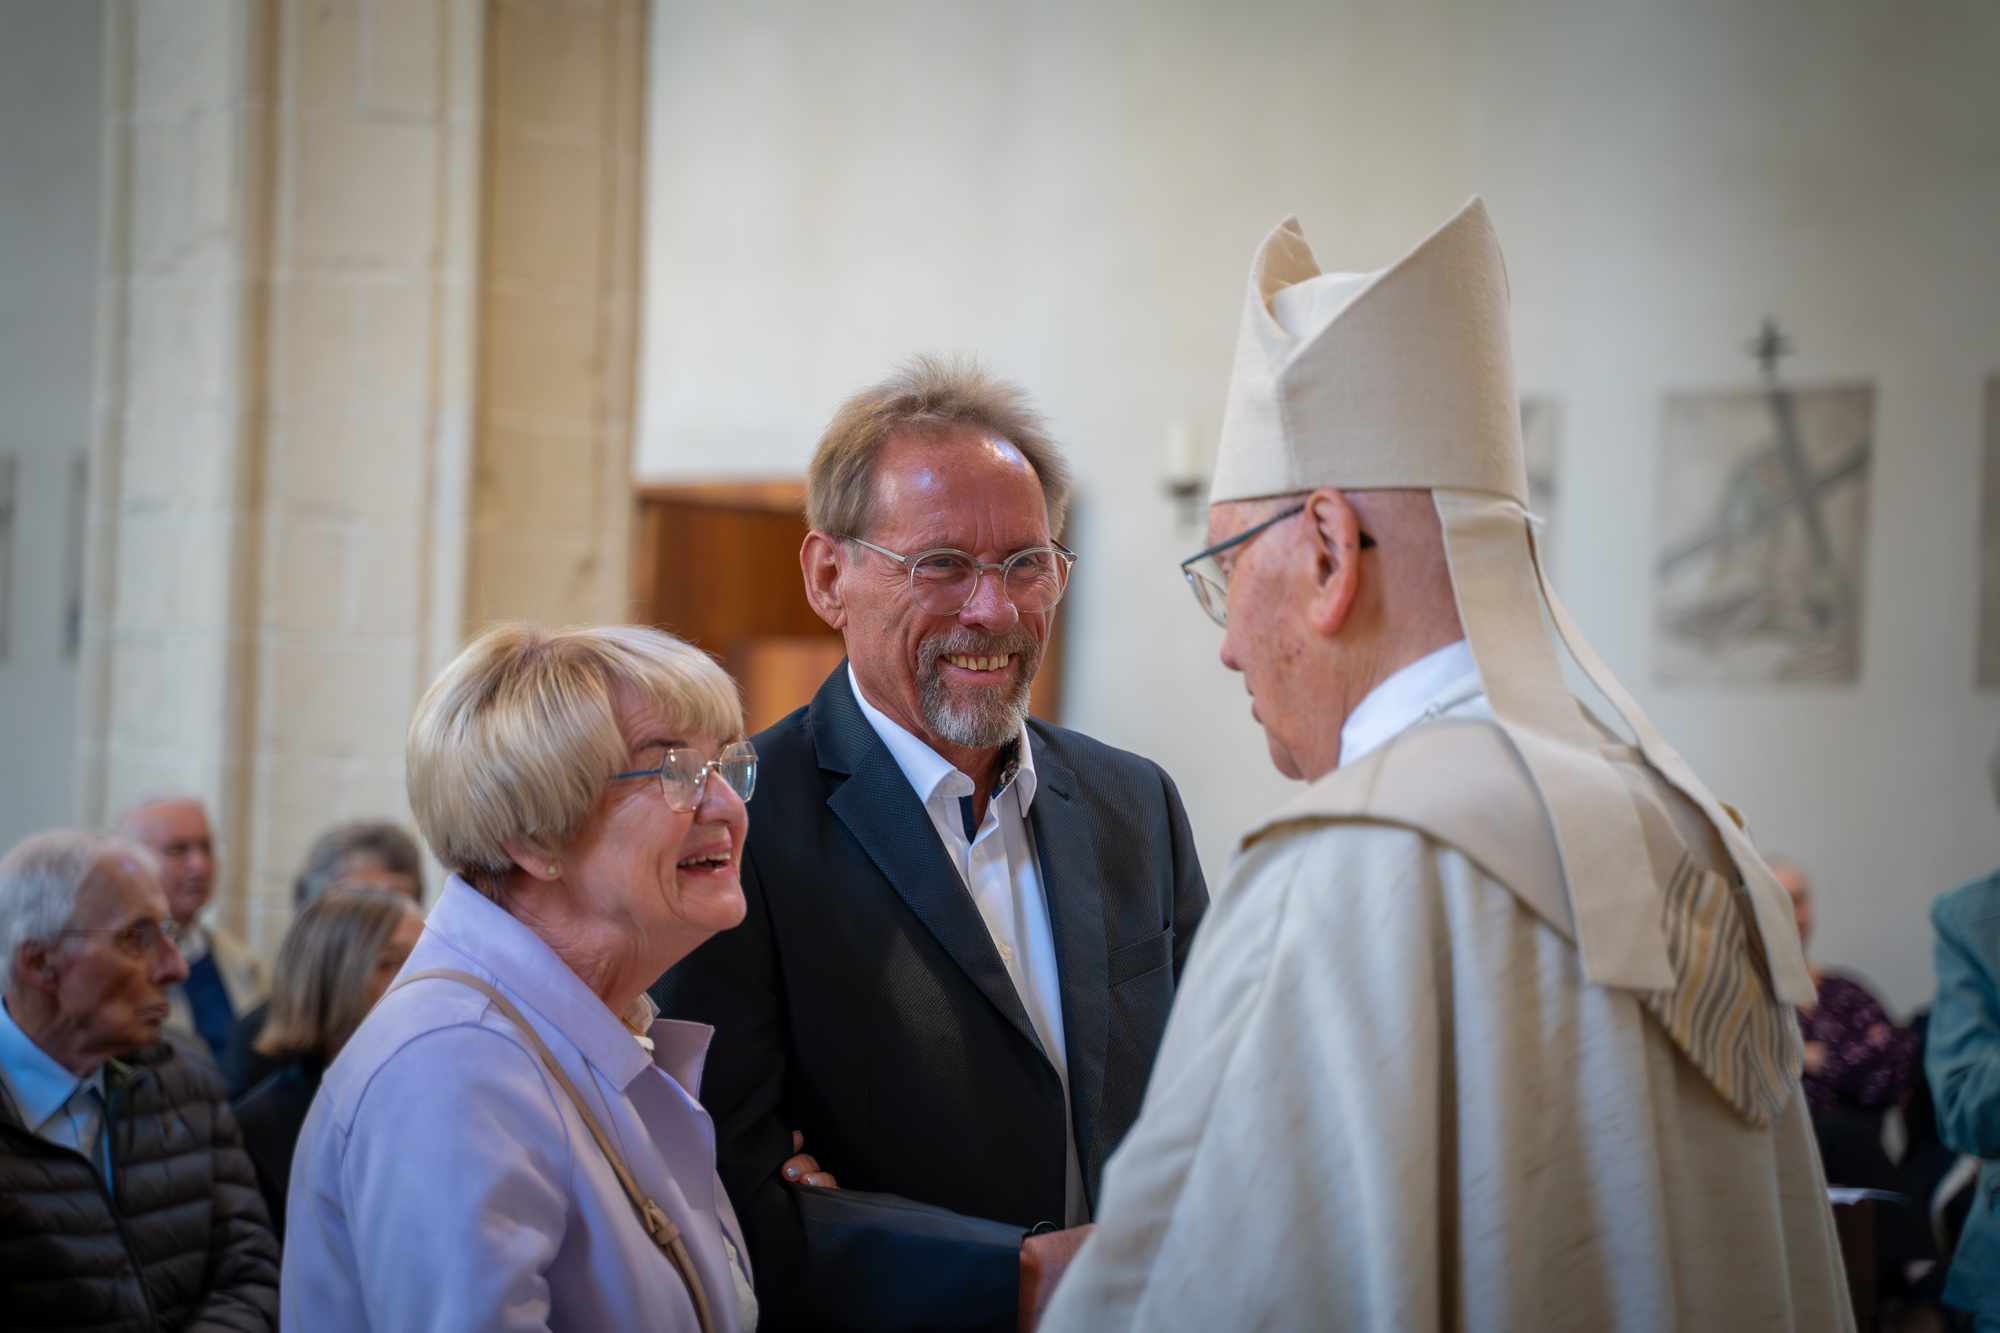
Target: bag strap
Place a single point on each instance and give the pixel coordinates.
(658, 1225)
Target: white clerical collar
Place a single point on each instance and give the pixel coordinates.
(930, 773)
(1446, 681)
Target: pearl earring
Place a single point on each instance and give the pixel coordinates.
(552, 872)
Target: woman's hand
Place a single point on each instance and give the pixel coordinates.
(803, 1169)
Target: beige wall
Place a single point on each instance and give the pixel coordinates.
(551, 503)
(50, 81)
(289, 421)
(1075, 191)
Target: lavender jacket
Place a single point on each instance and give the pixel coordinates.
(444, 1181)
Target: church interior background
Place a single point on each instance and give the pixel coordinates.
(331, 330)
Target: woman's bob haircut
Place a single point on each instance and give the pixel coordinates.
(515, 739)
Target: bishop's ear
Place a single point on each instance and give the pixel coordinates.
(1333, 531)
(820, 562)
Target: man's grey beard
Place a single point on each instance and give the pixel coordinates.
(994, 716)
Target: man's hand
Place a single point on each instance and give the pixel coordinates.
(1043, 1260)
(802, 1168)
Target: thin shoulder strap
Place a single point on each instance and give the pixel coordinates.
(658, 1225)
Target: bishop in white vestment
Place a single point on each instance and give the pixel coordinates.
(1490, 1027)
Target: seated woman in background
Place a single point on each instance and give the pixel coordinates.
(362, 853)
(1857, 1060)
(512, 1139)
(337, 960)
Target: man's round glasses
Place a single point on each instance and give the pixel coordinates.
(1205, 574)
(141, 940)
(683, 773)
(943, 582)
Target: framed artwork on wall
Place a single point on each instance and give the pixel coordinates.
(1989, 542)
(1763, 509)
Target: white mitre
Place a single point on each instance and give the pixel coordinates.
(1404, 379)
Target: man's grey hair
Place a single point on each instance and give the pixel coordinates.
(146, 800)
(39, 882)
(333, 852)
(929, 395)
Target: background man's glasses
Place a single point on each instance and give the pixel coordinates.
(683, 773)
(138, 941)
(1204, 572)
(943, 582)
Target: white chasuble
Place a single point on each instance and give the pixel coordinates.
(1388, 1099)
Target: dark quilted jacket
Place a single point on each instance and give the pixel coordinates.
(186, 1245)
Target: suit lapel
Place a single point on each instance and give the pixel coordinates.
(1076, 918)
(879, 808)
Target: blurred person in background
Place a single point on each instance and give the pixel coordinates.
(1859, 1065)
(224, 978)
(965, 923)
(1962, 1066)
(364, 853)
(126, 1200)
(511, 1139)
(343, 949)
(1856, 1059)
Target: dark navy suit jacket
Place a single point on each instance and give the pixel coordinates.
(863, 1002)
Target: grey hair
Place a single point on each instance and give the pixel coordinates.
(930, 395)
(333, 852)
(39, 882)
(146, 800)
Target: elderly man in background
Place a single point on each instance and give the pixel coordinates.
(1490, 1027)
(224, 979)
(965, 925)
(126, 1200)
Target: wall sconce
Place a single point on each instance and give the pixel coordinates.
(1185, 476)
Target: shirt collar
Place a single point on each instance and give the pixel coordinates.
(930, 774)
(1443, 680)
(470, 927)
(39, 1084)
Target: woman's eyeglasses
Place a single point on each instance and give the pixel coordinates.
(683, 773)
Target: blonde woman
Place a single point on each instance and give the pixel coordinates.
(511, 1141)
(338, 958)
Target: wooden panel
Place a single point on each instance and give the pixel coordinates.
(715, 575)
(779, 674)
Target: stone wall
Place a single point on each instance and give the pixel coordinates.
(288, 428)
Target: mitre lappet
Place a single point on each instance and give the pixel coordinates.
(1403, 378)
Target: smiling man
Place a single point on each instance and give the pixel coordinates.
(965, 925)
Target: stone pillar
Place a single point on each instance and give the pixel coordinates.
(163, 693)
(303, 366)
(552, 498)
(282, 419)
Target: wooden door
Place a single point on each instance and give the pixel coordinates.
(718, 564)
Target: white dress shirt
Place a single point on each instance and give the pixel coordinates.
(1004, 878)
(1441, 684)
(54, 1104)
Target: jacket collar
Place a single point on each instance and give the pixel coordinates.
(467, 927)
(879, 807)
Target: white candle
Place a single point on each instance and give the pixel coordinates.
(1183, 450)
